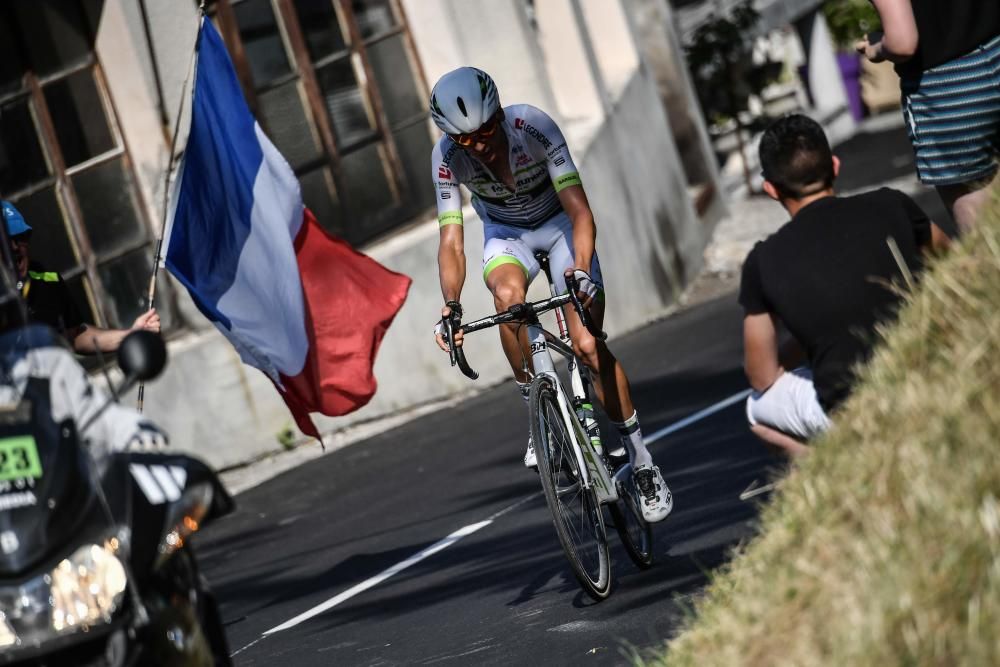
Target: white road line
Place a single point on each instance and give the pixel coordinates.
(701, 414)
(470, 529)
(395, 569)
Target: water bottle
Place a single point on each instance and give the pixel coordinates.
(585, 411)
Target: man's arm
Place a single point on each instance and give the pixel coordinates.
(91, 339)
(574, 202)
(899, 37)
(451, 261)
(940, 242)
(760, 350)
(451, 273)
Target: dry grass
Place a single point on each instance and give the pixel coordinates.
(883, 548)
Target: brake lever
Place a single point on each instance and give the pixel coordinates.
(455, 353)
(448, 333)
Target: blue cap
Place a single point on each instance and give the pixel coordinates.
(15, 221)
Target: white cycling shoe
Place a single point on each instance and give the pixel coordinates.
(655, 498)
(529, 456)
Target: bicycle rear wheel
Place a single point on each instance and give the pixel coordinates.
(635, 533)
(576, 513)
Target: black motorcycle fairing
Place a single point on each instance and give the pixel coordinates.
(40, 511)
(159, 483)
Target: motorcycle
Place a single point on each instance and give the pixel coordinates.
(95, 563)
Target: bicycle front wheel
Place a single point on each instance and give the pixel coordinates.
(575, 510)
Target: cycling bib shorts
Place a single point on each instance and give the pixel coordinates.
(513, 245)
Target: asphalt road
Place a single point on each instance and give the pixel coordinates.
(503, 594)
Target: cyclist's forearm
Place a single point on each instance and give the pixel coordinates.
(451, 272)
(584, 239)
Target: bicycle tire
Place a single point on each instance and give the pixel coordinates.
(576, 512)
(634, 531)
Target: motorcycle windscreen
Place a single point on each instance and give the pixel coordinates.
(46, 487)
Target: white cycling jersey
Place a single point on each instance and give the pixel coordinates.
(539, 160)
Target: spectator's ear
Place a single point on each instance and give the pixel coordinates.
(772, 191)
(836, 166)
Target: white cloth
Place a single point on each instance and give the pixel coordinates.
(789, 405)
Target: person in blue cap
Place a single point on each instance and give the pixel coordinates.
(49, 301)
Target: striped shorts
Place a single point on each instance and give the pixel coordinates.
(952, 114)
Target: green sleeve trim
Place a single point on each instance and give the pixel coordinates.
(44, 276)
(450, 218)
(498, 261)
(566, 180)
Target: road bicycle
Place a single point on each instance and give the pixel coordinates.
(578, 479)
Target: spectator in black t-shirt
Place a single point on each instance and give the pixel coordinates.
(825, 276)
(49, 301)
(947, 55)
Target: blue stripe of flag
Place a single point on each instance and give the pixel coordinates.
(212, 219)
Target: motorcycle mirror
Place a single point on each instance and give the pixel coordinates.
(142, 355)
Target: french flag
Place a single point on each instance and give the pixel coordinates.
(295, 302)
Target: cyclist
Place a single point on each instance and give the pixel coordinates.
(527, 191)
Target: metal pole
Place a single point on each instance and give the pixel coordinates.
(166, 184)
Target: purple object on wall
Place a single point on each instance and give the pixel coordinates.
(850, 71)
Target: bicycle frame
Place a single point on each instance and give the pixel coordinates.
(591, 464)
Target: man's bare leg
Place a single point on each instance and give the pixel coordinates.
(610, 382)
(966, 201)
(779, 443)
(509, 286)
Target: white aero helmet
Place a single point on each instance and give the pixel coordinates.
(463, 100)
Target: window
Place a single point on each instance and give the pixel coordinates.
(63, 162)
(335, 85)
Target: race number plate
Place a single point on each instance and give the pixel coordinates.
(19, 459)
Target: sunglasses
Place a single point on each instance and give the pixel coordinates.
(488, 129)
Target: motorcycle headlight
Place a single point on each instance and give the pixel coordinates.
(7, 636)
(81, 591)
(87, 587)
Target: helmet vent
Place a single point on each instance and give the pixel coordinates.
(461, 106)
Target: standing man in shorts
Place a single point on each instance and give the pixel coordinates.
(947, 55)
(827, 276)
(528, 193)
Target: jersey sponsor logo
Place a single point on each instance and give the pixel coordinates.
(518, 123)
(535, 134)
(522, 160)
(559, 161)
(445, 195)
(444, 172)
(529, 179)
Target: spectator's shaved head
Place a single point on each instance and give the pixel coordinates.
(795, 156)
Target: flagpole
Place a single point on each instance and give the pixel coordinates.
(151, 295)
